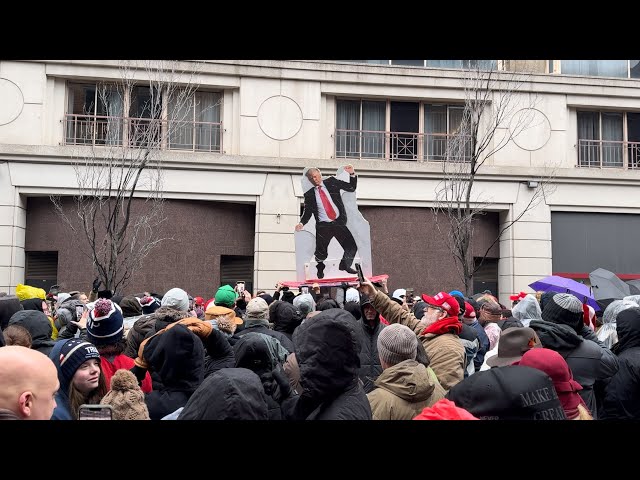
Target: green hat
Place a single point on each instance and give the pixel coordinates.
(226, 296)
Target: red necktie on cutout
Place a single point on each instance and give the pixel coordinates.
(331, 213)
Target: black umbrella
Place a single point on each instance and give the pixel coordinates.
(607, 287)
(634, 286)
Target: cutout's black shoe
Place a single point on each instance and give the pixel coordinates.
(343, 267)
(320, 267)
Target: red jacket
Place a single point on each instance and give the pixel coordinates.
(122, 362)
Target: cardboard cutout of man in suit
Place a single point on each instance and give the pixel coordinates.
(325, 203)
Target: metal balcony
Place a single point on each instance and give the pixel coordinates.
(404, 146)
(608, 154)
(142, 132)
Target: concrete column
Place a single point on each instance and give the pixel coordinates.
(525, 248)
(277, 212)
(13, 222)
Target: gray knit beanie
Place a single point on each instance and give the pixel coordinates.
(397, 343)
(176, 298)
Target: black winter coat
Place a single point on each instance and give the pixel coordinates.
(177, 358)
(228, 394)
(370, 368)
(261, 328)
(622, 394)
(327, 351)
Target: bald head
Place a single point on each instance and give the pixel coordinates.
(29, 382)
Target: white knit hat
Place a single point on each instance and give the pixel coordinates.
(352, 295)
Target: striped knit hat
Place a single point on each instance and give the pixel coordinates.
(397, 343)
(105, 323)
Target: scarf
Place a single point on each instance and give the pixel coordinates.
(445, 325)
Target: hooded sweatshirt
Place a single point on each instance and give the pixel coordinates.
(177, 356)
(370, 367)
(39, 327)
(228, 394)
(285, 317)
(403, 391)
(327, 351)
(622, 394)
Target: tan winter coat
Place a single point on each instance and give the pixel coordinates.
(403, 391)
(445, 351)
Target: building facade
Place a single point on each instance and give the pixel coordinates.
(232, 171)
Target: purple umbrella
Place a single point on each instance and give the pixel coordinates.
(566, 285)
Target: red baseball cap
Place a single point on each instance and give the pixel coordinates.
(469, 311)
(198, 300)
(444, 301)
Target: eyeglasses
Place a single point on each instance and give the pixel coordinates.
(435, 308)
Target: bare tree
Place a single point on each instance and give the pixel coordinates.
(147, 108)
(497, 109)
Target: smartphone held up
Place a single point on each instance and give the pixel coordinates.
(360, 274)
(95, 412)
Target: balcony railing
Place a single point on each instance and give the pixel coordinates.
(433, 147)
(608, 154)
(142, 132)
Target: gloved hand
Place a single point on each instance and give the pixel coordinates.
(284, 387)
(139, 372)
(96, 284)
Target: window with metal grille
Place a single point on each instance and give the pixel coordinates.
(237, 268)
(41, 269)
(608, 139)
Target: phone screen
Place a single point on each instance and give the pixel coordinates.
(95, 412)
(79, 311)
(304, 289)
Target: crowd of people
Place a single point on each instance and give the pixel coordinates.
(367, 354)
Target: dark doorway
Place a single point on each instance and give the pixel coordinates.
(405, 124)
(486, 278)
(633, 134)
(237, 268)
(41, 269)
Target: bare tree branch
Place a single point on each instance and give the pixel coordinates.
(151, 105)
(496, 110)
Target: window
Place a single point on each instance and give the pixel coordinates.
(360, 129)
(103, 115)
(363, 131)
(371, 62)
(596, 68)
(440, 123)
(464, 64)
(145, 112)
(196, 122)
(604, 142)
(94, 114)
(410, 63)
